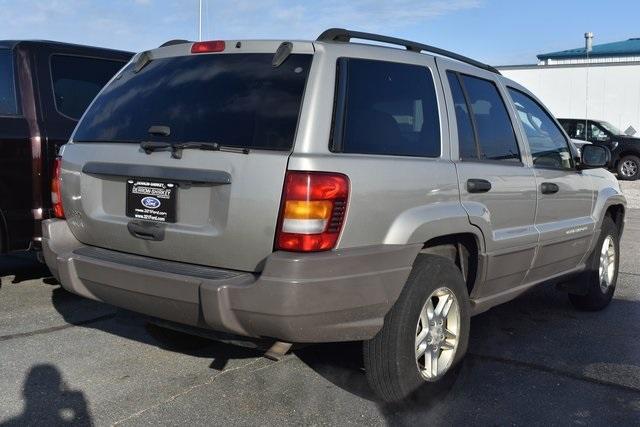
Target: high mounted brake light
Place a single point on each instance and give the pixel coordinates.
(56, 189)
(313, 209)
(206, 47)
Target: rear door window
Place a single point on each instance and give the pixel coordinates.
(569, 127)
(386, 108)
(483, 106)
(77, 80)
(496, 137)
(239, 100)
(579, 132)
(8, 101)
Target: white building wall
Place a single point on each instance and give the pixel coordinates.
(613, 93)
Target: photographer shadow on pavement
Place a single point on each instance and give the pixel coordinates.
(49, 401)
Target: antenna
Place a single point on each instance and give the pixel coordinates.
(199, 20)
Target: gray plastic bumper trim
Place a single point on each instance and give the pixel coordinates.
(340, 295)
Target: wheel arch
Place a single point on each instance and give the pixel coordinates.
(623, 154)
(463, 249)
(443, 229)
(617, 214)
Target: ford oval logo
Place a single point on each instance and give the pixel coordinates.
(151, 203)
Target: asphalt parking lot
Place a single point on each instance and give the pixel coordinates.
(533, 361)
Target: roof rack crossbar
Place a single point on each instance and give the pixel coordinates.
(342, 35)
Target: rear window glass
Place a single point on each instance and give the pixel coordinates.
(233, 99)
(8, 104)
(77, 80)
(388, 108)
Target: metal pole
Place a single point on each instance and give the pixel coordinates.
(588, 37)
(200, 21)
(586, 101)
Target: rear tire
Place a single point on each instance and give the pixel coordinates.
(3, 245)
(629, 168)
(431, 317)
(601, 275)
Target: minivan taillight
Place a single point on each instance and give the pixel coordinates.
(313, 209)
(56, 189)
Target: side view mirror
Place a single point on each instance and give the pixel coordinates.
(594, 156)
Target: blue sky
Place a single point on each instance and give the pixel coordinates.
(497, 32)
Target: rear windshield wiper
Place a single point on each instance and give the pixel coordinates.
(176, 148)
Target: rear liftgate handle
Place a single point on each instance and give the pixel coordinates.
(549, 188)
(478, 186)
(146, 230)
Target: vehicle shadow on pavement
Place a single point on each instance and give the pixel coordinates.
(530, 353)
(342, 365)
(49, 401)
(80, 311)
(21, 267)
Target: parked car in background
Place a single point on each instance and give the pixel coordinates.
(329, 191)
(44, 89)
(625, 149)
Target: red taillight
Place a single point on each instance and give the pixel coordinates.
(210, 46)
(56, 189)
(312, 212)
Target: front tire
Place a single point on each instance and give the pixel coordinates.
(629, 168)
(425, 333)
(601, 276)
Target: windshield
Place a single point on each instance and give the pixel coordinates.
(232, 99)
(611, 128)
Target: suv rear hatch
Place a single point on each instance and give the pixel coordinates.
(215, 202)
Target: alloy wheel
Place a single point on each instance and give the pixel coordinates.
(437, 334)
(629, 168)
(607, 268)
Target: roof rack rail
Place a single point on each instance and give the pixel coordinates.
(342, 35)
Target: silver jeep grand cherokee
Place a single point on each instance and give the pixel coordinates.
(329, 191)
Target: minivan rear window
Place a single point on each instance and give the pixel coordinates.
(237, 100)
(8, 104)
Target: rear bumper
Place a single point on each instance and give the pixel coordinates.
(340, 295)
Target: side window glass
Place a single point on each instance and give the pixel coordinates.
(466, 140)
(579, 133)
(569, 128)
(549, 148)
(8, 102)
(596, 133)
(496, 138)
(77, 80)
(389, 108)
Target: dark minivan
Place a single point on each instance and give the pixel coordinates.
(44, 89)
